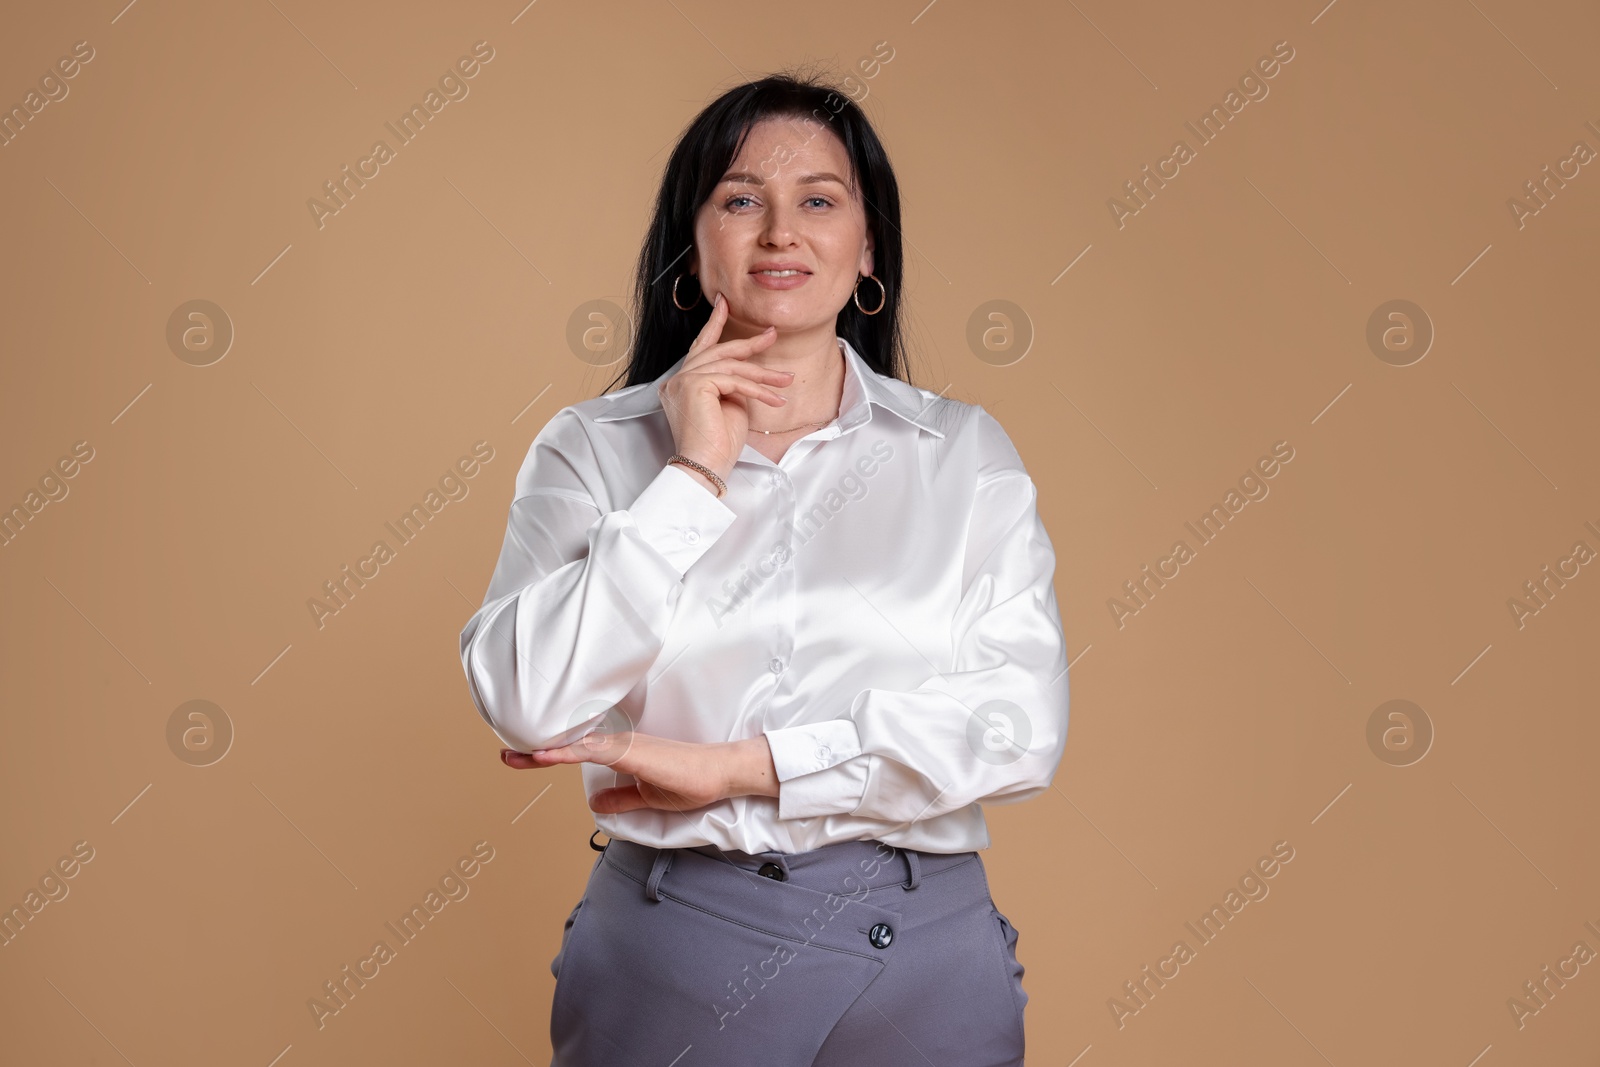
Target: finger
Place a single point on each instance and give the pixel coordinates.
(550, 757)
(753, 371)
(718, 353)
(737, 347)
(617, 799)
(728, 384)
(521, 761)
(711, 330)
(604, 747)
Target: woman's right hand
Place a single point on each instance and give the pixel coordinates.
(706, 399)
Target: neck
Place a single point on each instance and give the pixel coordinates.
(817, 389)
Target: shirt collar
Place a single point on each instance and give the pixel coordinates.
(863, 387)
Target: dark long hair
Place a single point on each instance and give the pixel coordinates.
(699, 160)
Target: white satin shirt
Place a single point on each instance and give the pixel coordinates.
(879, 603)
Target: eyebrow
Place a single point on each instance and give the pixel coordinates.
(805, 179)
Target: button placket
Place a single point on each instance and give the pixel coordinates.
(782, 582)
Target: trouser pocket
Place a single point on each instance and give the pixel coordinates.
(566, 936)
(1011, 965)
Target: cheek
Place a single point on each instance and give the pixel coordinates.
(843, 259)
(845, 284)
(843, 247)
(706, 232)
(715, 242)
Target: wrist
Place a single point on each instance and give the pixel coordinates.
(706, 477)
(750, 768)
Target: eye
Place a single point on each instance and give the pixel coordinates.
(825, 200)
(731, 200)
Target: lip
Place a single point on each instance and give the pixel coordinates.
(767, 281)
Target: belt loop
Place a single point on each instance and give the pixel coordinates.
(663, 860)
(915, 866)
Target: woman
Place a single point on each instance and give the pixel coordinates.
(795, 618)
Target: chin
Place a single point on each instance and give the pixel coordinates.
(787, 318)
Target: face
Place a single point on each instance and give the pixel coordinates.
(785, 202)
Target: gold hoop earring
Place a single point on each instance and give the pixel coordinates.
(679, 306)
(883, 295)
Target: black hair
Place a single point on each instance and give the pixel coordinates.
(705, 150)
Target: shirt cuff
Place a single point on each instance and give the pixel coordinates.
(815, 746)
(838, 790)
(821, 769)
(679, 517)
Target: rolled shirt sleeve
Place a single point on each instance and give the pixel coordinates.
(578, 608)
(990, 729)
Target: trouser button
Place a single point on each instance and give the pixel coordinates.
(771, 870)
(880, 935)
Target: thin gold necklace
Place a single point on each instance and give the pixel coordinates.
(792, 429)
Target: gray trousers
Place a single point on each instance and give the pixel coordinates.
(853, 953)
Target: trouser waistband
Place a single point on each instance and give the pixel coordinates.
(845, 866)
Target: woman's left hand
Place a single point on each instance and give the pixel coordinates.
(671, 775)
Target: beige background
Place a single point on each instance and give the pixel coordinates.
(432, 312)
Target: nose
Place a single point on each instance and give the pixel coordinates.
(779, 228)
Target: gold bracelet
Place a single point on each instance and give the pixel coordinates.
(680, 458)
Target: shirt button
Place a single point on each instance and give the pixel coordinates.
(880, 935)
(775, 665)
(691, 536)
(824, 752)
(776, 479)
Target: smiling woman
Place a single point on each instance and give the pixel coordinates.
(800, 780)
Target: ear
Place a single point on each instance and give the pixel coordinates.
(866, 254)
